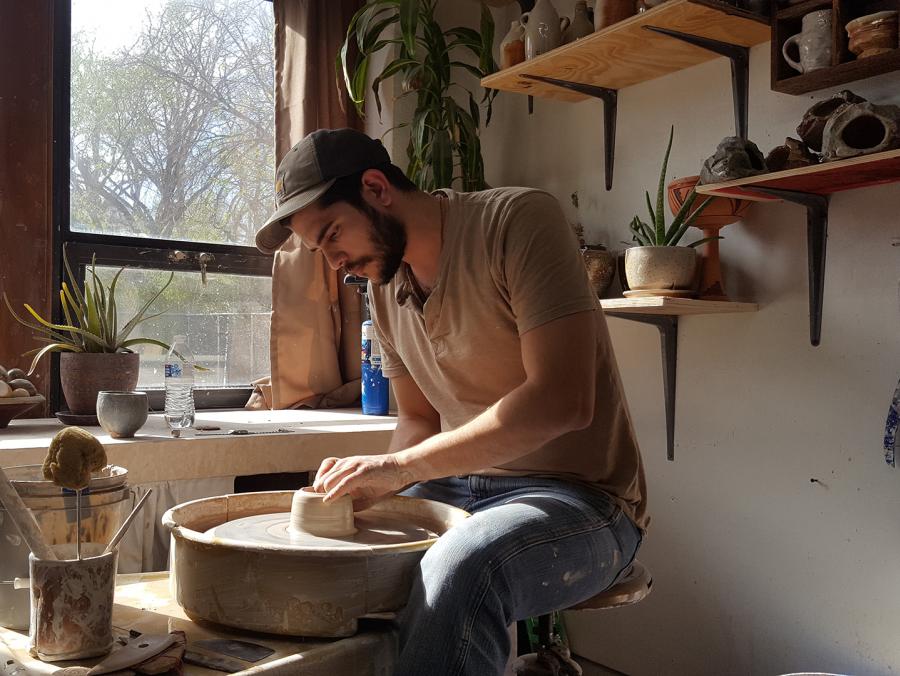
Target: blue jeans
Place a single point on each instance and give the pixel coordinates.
(532, 546)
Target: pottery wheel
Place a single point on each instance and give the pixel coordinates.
(273, 529)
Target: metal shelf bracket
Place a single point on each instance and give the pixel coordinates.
(610, 98)
(668, 340)
(740, 70)
(816, 244)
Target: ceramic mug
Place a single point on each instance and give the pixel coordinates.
(121, 414)
(813, 43)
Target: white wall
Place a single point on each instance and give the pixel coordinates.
(757, 569)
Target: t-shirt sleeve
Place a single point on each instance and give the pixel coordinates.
(391, 364)
(539, 262)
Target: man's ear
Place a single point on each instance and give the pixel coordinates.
(376, 188)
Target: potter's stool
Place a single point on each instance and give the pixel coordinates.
(552, 658)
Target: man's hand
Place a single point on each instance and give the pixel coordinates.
(365, 478)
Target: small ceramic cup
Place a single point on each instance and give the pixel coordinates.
(309, 514)
(121, 414)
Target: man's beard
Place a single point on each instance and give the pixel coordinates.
(388, 235)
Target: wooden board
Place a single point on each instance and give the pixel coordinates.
(821, 179)
(658, 305)
(625, 53)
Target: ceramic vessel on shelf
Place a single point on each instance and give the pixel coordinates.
(813, 43)
(601, 267)
(718, 213)
(661, 270)
(873, 34)
(512, 48)
(609, 12)
(543, 29)
(644, 5)
(581, 24)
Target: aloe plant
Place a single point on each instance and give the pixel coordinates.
(444, 145)
(91, 318)
(658, 234)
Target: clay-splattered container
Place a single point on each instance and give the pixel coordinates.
(290, 589)
(71, 603)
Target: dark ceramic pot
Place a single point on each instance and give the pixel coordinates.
(84, 374)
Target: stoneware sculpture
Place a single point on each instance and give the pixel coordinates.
(814, 120)
(813, 43)
(861, 129)
(793, 154)
(734, 158)
(873, 34)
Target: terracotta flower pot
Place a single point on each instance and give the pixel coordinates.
(84, 374)
(719, 212)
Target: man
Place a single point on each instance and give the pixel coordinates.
(509, 400)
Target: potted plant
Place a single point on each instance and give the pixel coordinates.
(658, 265)
(95, 353)
(443, 134)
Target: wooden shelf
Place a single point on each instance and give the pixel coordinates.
(660, 305)
(663, 313)
(851, 71)
(625, 53)
(818, 179)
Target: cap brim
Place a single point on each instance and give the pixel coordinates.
(273, 234)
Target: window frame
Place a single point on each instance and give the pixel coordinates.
(117, 250)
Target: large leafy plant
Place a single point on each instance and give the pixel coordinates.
(443, 135)
(91, 318)
(658, 234)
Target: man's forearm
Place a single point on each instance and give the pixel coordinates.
(411, 431)
(518, 424)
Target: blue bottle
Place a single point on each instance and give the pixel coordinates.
(374, 384)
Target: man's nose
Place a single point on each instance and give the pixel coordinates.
(335, 260)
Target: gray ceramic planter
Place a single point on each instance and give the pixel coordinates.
(84, 374)
(655, 268)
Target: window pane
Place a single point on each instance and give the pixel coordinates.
(226, 323)
(172, 118)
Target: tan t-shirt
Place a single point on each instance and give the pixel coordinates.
(509, 263)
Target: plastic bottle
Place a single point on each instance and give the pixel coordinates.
(374, 384)
(179, 387)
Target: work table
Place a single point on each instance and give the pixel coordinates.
(153, 454)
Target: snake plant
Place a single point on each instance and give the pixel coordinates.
(658, 234)
(443, 134)
(91, 318)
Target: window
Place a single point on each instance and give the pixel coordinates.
(168, 109)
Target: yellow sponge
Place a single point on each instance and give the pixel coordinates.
(73, 454)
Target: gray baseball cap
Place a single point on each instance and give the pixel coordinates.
(309, 169)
